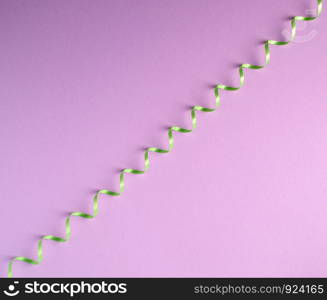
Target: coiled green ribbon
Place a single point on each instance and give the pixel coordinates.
(158, 150)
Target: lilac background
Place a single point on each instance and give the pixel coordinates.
(86, 85)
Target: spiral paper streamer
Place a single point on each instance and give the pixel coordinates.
(170, 147)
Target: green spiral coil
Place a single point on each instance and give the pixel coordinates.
(158, 150)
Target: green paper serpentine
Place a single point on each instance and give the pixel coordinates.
(158, 150)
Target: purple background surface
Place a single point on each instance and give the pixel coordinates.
(86, 85)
